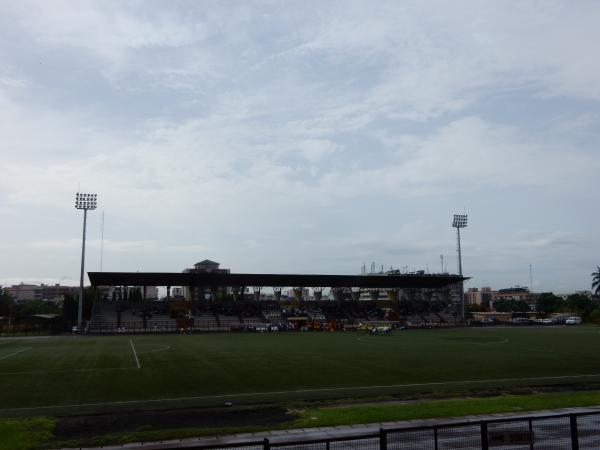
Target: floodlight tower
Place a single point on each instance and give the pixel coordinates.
(85, 202)
(460, 221)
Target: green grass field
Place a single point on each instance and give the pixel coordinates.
(76, 374)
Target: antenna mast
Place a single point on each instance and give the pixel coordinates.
(102, 242)
(530, 279)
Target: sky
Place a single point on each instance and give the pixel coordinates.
(301, 137)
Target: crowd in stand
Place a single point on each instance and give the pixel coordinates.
(260, 315)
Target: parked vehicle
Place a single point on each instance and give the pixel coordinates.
(520, 321)
(573, 321)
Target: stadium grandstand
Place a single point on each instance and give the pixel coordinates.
(207, 298)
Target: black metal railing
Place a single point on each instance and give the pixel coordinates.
(550, 431)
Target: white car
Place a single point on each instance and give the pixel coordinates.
(573, 321)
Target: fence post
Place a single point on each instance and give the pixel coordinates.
(484, 436)
(574, 437)
(435, 438)
(266, 444)
(382, 439)
(531, 433)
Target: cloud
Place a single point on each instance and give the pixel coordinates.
(258, 131)
(579, 124)
(548, 241)
(109, 245)
(12, 83)
(107, 28)
(463, 154)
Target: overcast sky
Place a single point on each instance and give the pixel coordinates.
(308, 137)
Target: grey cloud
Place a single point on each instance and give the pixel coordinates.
(333, 132)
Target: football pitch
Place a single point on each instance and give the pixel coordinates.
(88, 373)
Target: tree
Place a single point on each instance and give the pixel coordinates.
(69, 308)
(32, 307)
(594, 317)
(580, 304)
(596, 281)
(502, 305)
(520, 306)
(548, 303)
(470, 309)
(6, 303)
(511, 305)
(71, 305)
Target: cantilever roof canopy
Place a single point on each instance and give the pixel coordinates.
(255, 279)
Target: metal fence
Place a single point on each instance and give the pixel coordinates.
(543, 432)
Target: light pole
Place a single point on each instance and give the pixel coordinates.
(85, 202)
(460, 221)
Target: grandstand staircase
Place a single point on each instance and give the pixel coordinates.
(206, 322)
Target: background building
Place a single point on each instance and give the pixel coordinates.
(480, 297)
(51, 293)
(517, 294)
(204, 293)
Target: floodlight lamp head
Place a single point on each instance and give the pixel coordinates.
(460, 221)
(85, 201)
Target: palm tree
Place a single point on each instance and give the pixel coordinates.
(596, 281)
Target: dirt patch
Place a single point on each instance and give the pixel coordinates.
(99, 424)
(415, 398)
(91, 425)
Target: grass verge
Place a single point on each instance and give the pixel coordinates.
(26, 434)
(390, 412)
(36, 433)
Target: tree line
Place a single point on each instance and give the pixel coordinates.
(66, 313)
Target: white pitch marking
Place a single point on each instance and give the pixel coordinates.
(299, 391)
(137, 361)
(15, 353)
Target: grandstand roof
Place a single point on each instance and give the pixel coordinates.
(255, 279)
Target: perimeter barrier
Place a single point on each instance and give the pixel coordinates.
(549, 431)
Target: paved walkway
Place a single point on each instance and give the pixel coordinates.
(306, 434)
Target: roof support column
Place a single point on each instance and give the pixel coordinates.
(214, 292)
(298, 291)
(318, 293)
(338, 293)
(144, 313)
